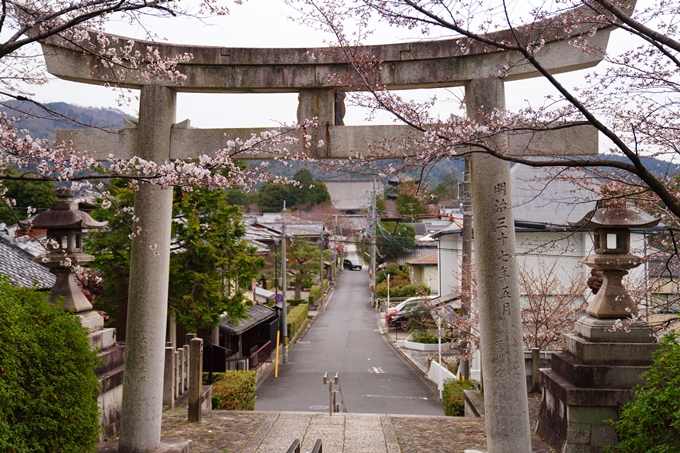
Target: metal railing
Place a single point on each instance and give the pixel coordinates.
(333, 404)
(383, 304)
(254, 361)
(295, 447)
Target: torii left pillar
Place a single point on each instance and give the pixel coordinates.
(140, 429)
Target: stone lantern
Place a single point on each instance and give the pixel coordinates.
(592, 378)
(612, 258)
(64, 224)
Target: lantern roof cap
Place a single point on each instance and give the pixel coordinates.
(64, 214)
(615, 214)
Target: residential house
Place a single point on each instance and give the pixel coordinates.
(543, 206)
(424, 269)
(250, 342)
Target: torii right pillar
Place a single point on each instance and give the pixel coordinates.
(505, 389)
(593, 376)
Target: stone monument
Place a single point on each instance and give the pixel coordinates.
(592, 378)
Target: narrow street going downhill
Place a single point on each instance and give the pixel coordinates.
(345, 339)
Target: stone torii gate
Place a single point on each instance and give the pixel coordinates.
(306, 71)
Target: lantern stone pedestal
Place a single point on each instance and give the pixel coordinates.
(590, 381)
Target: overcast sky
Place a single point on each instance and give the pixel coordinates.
(260, 23)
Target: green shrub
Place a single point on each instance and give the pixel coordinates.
(48, 388)
(294, 303)
(314, 294)
(234, 391)
(409, 290)
(427, 337)
(651, 423)
(296, 318)
(452, 396)
(392, 269)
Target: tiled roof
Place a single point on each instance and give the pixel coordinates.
(352, 195)
(541, 200)
(539, 196)
(431, 259)
(18, 265)
(257, 314)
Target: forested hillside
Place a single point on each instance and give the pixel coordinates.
(59, 115)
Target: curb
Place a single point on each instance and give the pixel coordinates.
(407, 360)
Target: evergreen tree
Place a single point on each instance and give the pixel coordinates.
(271, 196)
(447, 189)
(394, 240)
(36, 194)
(211, 264)
(304, 195)
(408, 202)
(302, 262)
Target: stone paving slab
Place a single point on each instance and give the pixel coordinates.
(274, 432)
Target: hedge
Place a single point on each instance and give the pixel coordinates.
(314, 294)
(296, 319)
(295, 303)
(234, 391)
(48, 387)
(453, 398)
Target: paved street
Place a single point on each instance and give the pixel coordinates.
(344, 338)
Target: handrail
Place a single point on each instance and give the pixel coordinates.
(318, 448)
(295, 447)
(257, 358)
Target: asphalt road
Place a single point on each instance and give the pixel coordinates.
(345, 339)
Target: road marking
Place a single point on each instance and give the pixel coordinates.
(376, 369)
(396, 396)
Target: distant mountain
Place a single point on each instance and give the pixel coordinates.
(43, 123)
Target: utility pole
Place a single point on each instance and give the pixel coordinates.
(335, 247)
(372, 237)
(466, 277)
(321, 259)
(284, 310)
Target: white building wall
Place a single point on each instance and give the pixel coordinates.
(534, 250)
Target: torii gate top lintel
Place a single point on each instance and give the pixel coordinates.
(425, 64)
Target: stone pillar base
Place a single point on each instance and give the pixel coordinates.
(589, 383)
(170, 446)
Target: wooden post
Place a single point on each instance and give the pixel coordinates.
(195, 379)
(535, 362)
